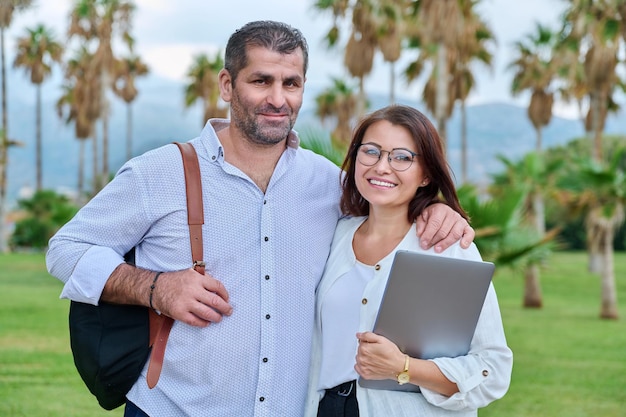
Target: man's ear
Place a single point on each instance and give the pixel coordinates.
(225, 84)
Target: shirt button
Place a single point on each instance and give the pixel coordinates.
(264, 360)
(267, 277)
(377, 267)
(485, 372)
(364, 301)
(267, 316)
(267, 238)
(262, 399)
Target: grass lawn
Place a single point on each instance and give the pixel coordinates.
(568, 362)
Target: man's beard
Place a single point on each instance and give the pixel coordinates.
(246, 120)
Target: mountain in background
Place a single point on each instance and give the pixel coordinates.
(160, 118)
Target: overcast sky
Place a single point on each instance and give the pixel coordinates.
(170, 32)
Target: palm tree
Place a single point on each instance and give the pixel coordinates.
(338, 101)
(592, 37)
(36, 52)
(362, 41)
(535, 70)
(203, 86)
(599, 189)
(473, 47)
(593, 31)
(126, 71)
(441, 27)
(391, 22)
(80, 104)
(7, 8)
(534, 176)
(501, 234)
(95, 22)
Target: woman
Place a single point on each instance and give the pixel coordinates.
(395, 167)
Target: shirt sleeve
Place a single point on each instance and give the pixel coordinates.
(86, 250)
(484, 374)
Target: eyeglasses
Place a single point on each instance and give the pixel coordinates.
(400, 159)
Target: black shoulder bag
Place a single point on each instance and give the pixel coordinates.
(111, 342)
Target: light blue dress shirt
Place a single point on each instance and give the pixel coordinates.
(269, 250)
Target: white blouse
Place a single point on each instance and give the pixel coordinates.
(482, 376)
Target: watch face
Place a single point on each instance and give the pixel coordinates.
(403, 378)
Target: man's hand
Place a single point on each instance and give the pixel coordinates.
(195, 299)
(187, 296)
(440, 226)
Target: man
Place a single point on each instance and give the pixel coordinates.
(241, 341)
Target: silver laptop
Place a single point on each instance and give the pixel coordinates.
(430, 307)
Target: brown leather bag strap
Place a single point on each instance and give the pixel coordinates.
(160, 325)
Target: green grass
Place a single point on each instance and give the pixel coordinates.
(568, 362)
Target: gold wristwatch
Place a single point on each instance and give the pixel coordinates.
(403, 377)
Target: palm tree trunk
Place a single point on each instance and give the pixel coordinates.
(360, 109)
(4, 145)
(532, 290)
(81, 171)
(538, 143)
(129, 131)
(609, 295)
(105, 147)
(38, 150)
(595, 126)
(442, 93)
(392, 83)
(464, 174)
(96, 172)
(594, 242)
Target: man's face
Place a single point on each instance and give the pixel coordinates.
(267, 96)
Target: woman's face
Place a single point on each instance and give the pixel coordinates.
(380, 184)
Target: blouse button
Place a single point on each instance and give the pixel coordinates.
(377, 267)
(485, 372)
(364, 301)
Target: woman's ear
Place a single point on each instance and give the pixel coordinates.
(424, 182)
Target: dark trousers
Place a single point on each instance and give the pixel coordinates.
(339, 401)
(131, 410)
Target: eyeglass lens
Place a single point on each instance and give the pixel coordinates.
(399, 159)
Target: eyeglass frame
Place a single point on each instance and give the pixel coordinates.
(380, 155)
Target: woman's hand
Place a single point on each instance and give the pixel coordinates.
(378, 357)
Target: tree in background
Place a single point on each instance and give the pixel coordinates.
(592, 41)
(535, 71)
(125, 71)
(44, 213)
(473, 47)
(599, 190)
(95, 23)
(37, 51)
(338, 101)
(533, 176)
(78, 105)
(203, 85)
(7, 8)
(440, 25)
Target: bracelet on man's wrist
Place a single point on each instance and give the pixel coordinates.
(156, 276)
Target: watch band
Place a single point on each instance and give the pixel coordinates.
(403, 377)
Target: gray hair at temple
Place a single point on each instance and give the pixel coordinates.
(275, 36)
